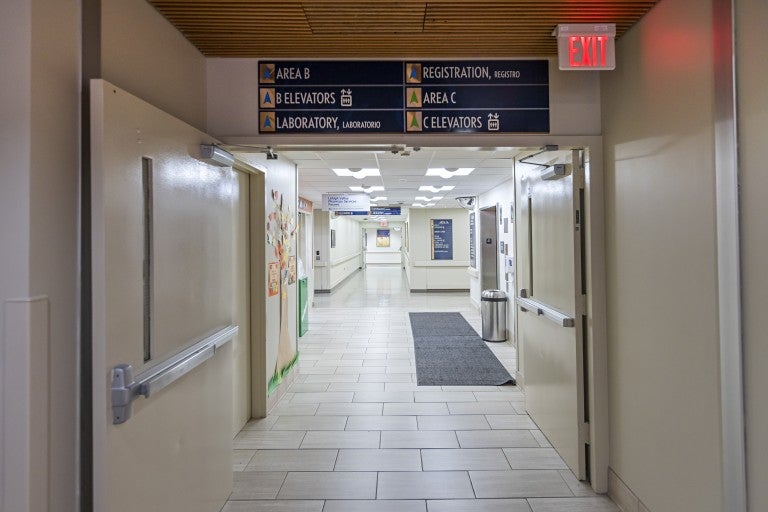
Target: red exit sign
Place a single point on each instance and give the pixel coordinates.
(586, 47)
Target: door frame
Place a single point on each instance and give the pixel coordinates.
(258, 285)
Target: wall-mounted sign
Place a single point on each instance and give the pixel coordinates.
(489, 96)
(472, 248)
(586, 47)
(347, 202)
(385, 210)
(442, 239)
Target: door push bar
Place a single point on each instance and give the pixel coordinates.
(527, 304)
(126, 388)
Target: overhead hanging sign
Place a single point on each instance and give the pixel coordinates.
(483, 96)
(582, 47)
(385, 210)
(347, 202)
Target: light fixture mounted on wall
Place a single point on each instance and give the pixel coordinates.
(215, 155)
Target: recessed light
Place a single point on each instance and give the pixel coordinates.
(435, 190)
(357, 173)
(374, 188)
(428, 199)
(449, 173)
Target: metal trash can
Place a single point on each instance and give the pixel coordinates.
(493, 310)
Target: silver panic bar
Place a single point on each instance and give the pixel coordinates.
(547, 312)
(126, 388)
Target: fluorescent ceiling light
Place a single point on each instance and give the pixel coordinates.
(435, 190)
(419, 205)
(378, 198)
(359, 173)
(449, 173)
(374, 188)
(428, 199)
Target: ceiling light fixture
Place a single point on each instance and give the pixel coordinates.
(357, 173)
(449, 173)
(419, 205)
(435, 190)
(378, 198)
(428, 199)
(374, 188)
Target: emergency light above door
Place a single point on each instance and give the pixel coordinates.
(585, 47)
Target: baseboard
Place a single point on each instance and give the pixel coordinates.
(340, 283)
(622, 495)
(281, 389)
(520, 380)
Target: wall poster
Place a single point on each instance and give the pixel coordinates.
(292, 270)
(274, 279)
(382, 238)
(442, 239)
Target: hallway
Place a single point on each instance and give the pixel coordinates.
(355, 433)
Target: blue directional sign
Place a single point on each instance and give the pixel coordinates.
(484, 96)
(442, 239)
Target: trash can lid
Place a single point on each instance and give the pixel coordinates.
(494, 295)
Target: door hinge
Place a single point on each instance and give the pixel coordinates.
(581, 304)
(584, 436)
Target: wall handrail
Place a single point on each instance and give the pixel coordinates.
(125, 388)
(548, 312)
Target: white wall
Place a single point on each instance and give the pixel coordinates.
(346, 257)
(383, 255)
(752, 40)
(661, 261)
(39, 93)
(422, 271)
(145, 55)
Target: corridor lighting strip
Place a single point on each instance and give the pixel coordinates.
(125, 388)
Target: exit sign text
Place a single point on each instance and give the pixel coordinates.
(586, 47)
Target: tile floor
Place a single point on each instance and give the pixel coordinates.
(355, 433)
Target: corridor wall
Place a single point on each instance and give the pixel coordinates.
(422, 272)
(339, 242)
(39, 99)
(752, 40)
(658, 126)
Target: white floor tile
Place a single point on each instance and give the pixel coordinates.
(378, 460)
(329, 485)
(424, 485)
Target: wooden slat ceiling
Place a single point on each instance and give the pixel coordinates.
(403, 28)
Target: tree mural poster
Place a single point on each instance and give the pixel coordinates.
(281, 228)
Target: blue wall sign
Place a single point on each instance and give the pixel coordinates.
(484, 96)
(442, 239)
